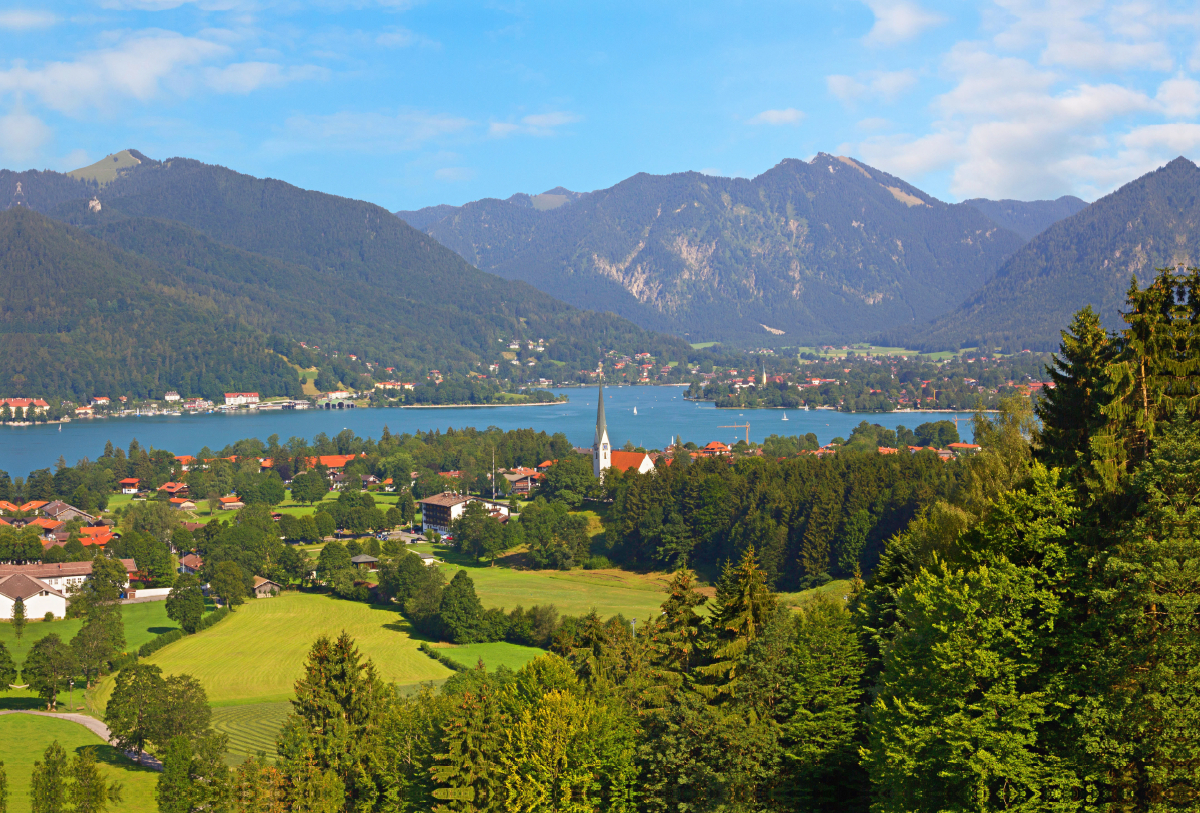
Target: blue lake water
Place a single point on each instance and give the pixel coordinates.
(662, 413)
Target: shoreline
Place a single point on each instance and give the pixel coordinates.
(467, 406)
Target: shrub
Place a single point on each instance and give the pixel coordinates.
(49, 616)
(597, 563)
(158, 642)
(442, 659)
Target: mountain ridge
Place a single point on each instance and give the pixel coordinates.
(831, 248)
(1088, 258)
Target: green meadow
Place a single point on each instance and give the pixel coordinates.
(24, 738)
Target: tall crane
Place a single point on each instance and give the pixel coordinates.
(745, 426)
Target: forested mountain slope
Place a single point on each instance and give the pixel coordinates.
(1085, 259)
(825, 249)
(316, 267)
(1028, 218)
(79, 318)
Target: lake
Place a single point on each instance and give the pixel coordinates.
(662, 413)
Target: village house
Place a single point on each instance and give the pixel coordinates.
(440, 510)
(129, 485)
(27, 405)
(232, 503)
(182, 504)
(45, 587)
(190, 563)
(265, 588)
(174, 489)
(522, 480)
(241, 398)
(363, 561)
(63, 512)
(172, 396)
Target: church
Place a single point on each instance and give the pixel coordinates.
(603, 456)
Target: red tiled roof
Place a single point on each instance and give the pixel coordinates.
(130, 481)
(44, 522)
(624, 461)
(33, 505)
(8, 507)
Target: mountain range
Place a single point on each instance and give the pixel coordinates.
(271, 263)
(1088, 258)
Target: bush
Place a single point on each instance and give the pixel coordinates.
(157, 643)
(212, 618)
(442, 659)
(49, 616)
(598, 563)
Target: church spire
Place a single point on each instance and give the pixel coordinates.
(601, 425)
(601, 450)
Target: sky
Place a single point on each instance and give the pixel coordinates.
(410, 103)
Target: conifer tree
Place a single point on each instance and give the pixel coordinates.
(18, 617)
(1070, 411)
(8, 668)
(676, 637)
(460, 610)
(744, 604)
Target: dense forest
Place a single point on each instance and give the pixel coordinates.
(1027, 642)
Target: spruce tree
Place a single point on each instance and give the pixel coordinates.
(460, 610)
(1070, 411)
(744, 604)
(8, 668)
(18, 617)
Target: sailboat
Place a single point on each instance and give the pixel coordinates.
(635, 410)
(785, 416)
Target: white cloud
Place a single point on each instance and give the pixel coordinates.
(537, 124)
(1090, 35)
(136, 68)
(882, 85)
(22, 137)
(244, 77)
(369, 132)
(17, 19)
(788, 115)
(404, 38)
(1179, 97)
(454, 174)
(899, 20)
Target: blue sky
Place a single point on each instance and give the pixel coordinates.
(409, 103)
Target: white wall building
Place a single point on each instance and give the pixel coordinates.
(45, 588)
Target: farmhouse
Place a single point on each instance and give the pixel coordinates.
(39, 597)
(45, 584)
(129, 485)
(265, 588)
(232, 503)
(190, 563)
(182, 504)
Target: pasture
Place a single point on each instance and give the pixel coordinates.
(493, 655)
(257, 653)
(142, 622)
(24, 738)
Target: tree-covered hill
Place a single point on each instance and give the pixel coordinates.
(332, 269)
(1028, 218)
(80, 318)
(827, 249)
(1085, 259)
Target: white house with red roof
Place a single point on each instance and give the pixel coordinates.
(26, 404)
(241, 398)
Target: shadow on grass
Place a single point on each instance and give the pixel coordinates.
(160, 630)
(23, 703)
(110, 755)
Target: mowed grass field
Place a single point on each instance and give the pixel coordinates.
(494, 655)
(257, 653)
(250, 729)
(573, 592)
(24, 738)
(142, 622)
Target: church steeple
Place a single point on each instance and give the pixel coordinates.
(601, 449)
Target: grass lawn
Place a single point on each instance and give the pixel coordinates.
(251, 728)
(494, 655)
(23, 739)
(256, 654)
(838, 590)
(142, 622)
(573, 592)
